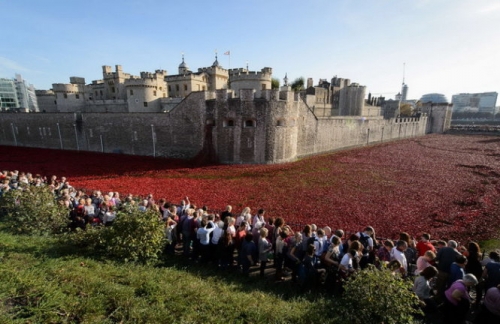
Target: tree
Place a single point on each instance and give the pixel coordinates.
(298, 84)
(406, 110)
(275, 83)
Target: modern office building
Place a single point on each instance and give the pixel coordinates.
(484, 102)
(17, 94)
(8, 94)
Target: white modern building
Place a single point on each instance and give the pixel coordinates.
(17, 94)
(475, 102)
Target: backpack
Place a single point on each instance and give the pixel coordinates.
(363, 239)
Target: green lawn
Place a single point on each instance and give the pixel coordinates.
(43, 283)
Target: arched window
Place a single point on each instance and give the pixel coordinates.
(280, 122)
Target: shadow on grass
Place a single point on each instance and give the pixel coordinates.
(55, 248)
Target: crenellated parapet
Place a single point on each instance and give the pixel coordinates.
(143, 83)
(67, 88)
(243, 74)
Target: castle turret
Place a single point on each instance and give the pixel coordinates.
(144, 93)
(352, 100)
(183, 67)
(243, 79)
(70, 97)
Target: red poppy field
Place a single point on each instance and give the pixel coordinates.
(446, 185)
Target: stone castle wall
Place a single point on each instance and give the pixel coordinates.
(239, 129)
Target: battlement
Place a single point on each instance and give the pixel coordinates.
(242, 74)
(212, 69)
(108, 73)
(44, 92)
(66, 87)
(159, 74)
(141, 82)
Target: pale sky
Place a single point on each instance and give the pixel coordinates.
(447, 46)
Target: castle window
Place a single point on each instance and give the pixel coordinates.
(154, 93)
(264, 87)
(100, 92)
(229, 123)
(177, 87)
(113, 89)
(280, 122)
(204, 88)
(169, 88)
(160, 88)
(77, 96)
(96, 93)
(131, 92)
(145, 103)
(249, 123)
(65, 96)
(185, 87)
(210, 122)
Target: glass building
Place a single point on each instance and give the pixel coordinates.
(17, 94)
(475, 102)
(434, 98)
(8, 94)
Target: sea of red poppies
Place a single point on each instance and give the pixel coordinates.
(447, 185)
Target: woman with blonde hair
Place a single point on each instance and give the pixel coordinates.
(424, 261)
(245, 216)
(264, 248)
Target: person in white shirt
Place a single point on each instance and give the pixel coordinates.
(203, 234)
(346, 262)
(397, 253)
(109, 217)
(258, 218)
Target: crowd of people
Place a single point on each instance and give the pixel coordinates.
(445, 274)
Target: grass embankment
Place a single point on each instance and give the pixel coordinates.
(40, 282)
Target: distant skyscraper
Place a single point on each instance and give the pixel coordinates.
(475, 102)
(404, 92)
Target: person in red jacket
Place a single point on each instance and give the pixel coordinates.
(425, 245)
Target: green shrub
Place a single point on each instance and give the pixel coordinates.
(135, 236)
(34, 210)
(89, 241)
(377, 296)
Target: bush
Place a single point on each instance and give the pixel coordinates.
(377, 296)
(34, 210)
(88, 241)
(135, 236)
